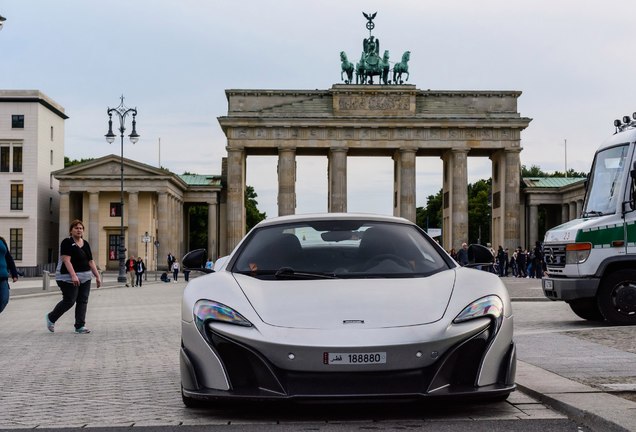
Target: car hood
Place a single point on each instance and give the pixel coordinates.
(332, 303)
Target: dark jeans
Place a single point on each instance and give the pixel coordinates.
(139, 278)
(72, 295)
(175, 274)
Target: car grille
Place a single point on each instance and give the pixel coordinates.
(554, 255)
(250, 373)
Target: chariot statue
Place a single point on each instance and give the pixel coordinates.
(371, 64)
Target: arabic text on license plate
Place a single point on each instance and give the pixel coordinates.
(547, 284)
(331, 358)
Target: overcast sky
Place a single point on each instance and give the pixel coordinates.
(173, 60)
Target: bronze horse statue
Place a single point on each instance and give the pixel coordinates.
(347, 67)
(402, 67)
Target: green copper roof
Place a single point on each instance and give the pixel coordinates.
(550, 182)
(201, 180)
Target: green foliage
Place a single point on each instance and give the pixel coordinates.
(535, 171)
(479, 211)
(198, 220)
(252, 215)
(431, 215)
(71, 162)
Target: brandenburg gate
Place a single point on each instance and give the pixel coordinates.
(386, 118)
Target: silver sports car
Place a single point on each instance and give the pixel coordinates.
(343, 306)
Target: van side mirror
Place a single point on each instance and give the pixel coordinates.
(632, 192)
(195, 260)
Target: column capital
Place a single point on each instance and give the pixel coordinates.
(338, 149)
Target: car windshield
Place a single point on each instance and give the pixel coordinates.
(339, 249)
(605, 181)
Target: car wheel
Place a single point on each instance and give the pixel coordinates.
(586, 308)
(617, 297)
(191, 402)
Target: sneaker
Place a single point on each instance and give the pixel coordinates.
(82, 330)
(49, 325)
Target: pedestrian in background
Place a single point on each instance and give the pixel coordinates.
(140, 269)
(462, 255)
(73, 276)
(175, 270)
(130, 269)
(171, 260)
(7, 268)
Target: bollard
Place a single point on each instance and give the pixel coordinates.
(46, 280)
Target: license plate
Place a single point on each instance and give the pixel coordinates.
(331, 358)
(547, 284)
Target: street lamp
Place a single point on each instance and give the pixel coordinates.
(121, 112)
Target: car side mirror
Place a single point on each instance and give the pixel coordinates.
(195, 260)
(479, 255)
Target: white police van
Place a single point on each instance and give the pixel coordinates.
(591, 261)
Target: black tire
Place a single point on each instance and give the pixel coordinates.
(617, 297)
(587, 308)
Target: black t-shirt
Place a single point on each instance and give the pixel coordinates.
(79, 256)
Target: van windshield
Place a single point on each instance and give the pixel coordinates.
(608, 173)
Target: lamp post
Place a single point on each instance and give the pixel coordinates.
(121, 112)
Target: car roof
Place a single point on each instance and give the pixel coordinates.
(333, 216)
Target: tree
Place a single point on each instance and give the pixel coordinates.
(431, 215)
(479, 211)
(71, 162)
(252, 215)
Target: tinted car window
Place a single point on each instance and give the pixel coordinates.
(339, 248)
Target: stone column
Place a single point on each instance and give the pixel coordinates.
(93, 225)
(459, 196)
(133, 224)
(565, 213)
(407, 184)
(212, 229)
(534, 225)
(235, 196)
(579, 208)
(511, 223)
(65, 214)
(337, 173)
(572, 206)
(286, 181)
(163, 235)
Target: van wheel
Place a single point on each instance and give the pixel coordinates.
(586, 308)
(617, 297)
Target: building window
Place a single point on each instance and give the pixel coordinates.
(115, 209)
(113, 244)
(15, 243)
(51, 157)
(17, 159)
(17, 196)
(9, 153)
(5, 155)
(51, 133)
(51, 205)
(17, 121)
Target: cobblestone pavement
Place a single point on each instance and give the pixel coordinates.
(127, 372)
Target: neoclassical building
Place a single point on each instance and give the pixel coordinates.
(156, 203)
(394, 121)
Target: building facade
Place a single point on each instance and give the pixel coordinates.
(156, 203)
(31, 149)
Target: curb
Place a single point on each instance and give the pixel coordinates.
(594, 408)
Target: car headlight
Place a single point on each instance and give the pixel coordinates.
(490, 306)
(205, 310)
(577, 253)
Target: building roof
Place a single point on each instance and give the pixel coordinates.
(551, 182)
(201, 179)
(25, 96)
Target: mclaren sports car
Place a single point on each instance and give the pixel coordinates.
(344, 306)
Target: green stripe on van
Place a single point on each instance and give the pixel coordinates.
(603, 236)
